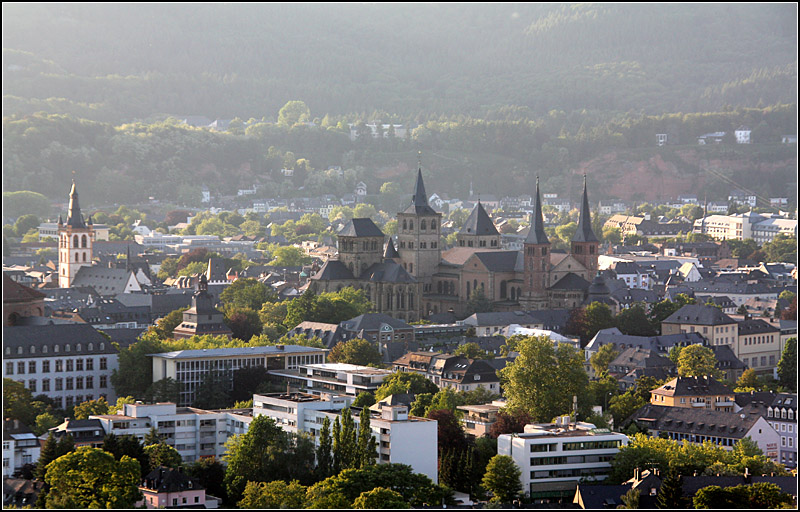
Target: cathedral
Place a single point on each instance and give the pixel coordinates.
(417, 279)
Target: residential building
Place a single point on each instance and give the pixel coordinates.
(401, 438)
(661, 344)
(171, 488)
(21, 493)
(553, 458)
(782, 415)
(20, 301)
(694, 392)
(378, 328)
(477, 420)
(339, 378)
(190, 367)
(759, 345)
(696, 425)
(69, 363)
(450, 371)
(194, 433)
(488, 324)
(88, 432)
(640, 362)
(716, 327)
(742, 134)
(20, 447)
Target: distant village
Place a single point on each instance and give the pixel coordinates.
(446, 301)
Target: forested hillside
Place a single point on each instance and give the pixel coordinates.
(121, 62)
(495, 94)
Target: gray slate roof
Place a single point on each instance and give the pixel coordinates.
(360, 228)
(694, 421)
(478, 223)
(699, 314)
(571, 282)
(107, 281)
(498, 261)
(38, 336)
(372, 322)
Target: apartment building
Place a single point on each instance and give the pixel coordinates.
(477, 420)
(715, 326)
(401, 438)
(190, 367)
(553, 458)
(694, 392)
(69, 363)
(782, 415)
(759, 345)
(20, 447)
(340, 378)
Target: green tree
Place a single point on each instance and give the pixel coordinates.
(45, 422)
(129, 445)
(366, 448)
(210, 473)
(760, 495)
(787, 366)
(697, 361)
(325, 450)
(380, 498)
(603, 357)
(134, 374)
(670, 496)
(97, 407)
(631, 499)
(748, 381)
(470, 350)
(345, 445)
(300, 309)
(289, 256)
(246, 293)
(502, 478)
(275, 494)
(355, 351)
(597, 316)
(364, 399)
(91, 478)
(293, 112)
(478, 302)
(634, 322)
(543, 379)
(24, 202)
(622, 406)
(16, 402)
(25, 224)
(405, 382)
(244, 323)
(162, 454)
(51, 450)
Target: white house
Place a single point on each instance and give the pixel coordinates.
(742, 135)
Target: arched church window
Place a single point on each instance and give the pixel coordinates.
(75, 241)
(405, 225)
(423, 225)
(411, 225)
(83, 240)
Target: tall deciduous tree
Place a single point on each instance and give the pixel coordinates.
(355, 351)
(367, 447)
(380, 498)
(787, 366)
(405, 382)
(246, 293)
(91, 478)
(603, 357)
(543, 379)
(502, 478)
(325, 450)
(697, 361)
(276, 494)
(162, 454)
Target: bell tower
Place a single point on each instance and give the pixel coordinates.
(536, 255)
(75, 239)
(585, 245)
(419, 228)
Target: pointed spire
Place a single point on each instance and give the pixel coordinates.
(419, 201)
(584, 232)
(536, 235)
(391, 252)
(60, 220)
(74, 217)
(479, 223)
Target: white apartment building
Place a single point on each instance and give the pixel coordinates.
(20, 447)
(554, 457)
(766, 231)
(744, 226)
(341, 378)
(190, 367)
(401, 439)
(69, 363)
(194, 433)
(782, 416)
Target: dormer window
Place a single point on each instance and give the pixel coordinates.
(44, 349)
(32, 349)
(56, 348)
(19, 350)
(78, 347)
(67, 347)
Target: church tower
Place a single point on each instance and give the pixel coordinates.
(479, 230)
(419, 227)
(75, 239)
(585, 245)
(536, 255)
(360, 245)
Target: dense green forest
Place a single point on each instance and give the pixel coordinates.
(505, 91)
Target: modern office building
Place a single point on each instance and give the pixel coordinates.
(554, 457)
(190, 367)
(340, 378)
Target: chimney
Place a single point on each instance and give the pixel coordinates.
(636, 475)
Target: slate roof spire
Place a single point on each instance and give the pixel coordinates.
(74, 217)
(391, 251)
(479, 222)
(419, 201)
(536, 234)
(584, 232)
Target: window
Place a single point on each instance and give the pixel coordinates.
(70, 365)
(45, 384)
(79, 365)
(59, 384)
(103, 363)
(10, 368)
(89, 382)
(21, 367)
(69, 384)
(78, 382)
(90, 365)
(103, 383)
(32, 385)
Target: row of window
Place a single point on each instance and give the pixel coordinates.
(408, 225)
(758, 340)
(63, 241)
(565, 473)
(573, 459)
(76, 365)
(56, 348)
(784, 414)
(67, 384)
(754, 361)
(591, 445)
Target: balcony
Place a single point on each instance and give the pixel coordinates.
(698, 404)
